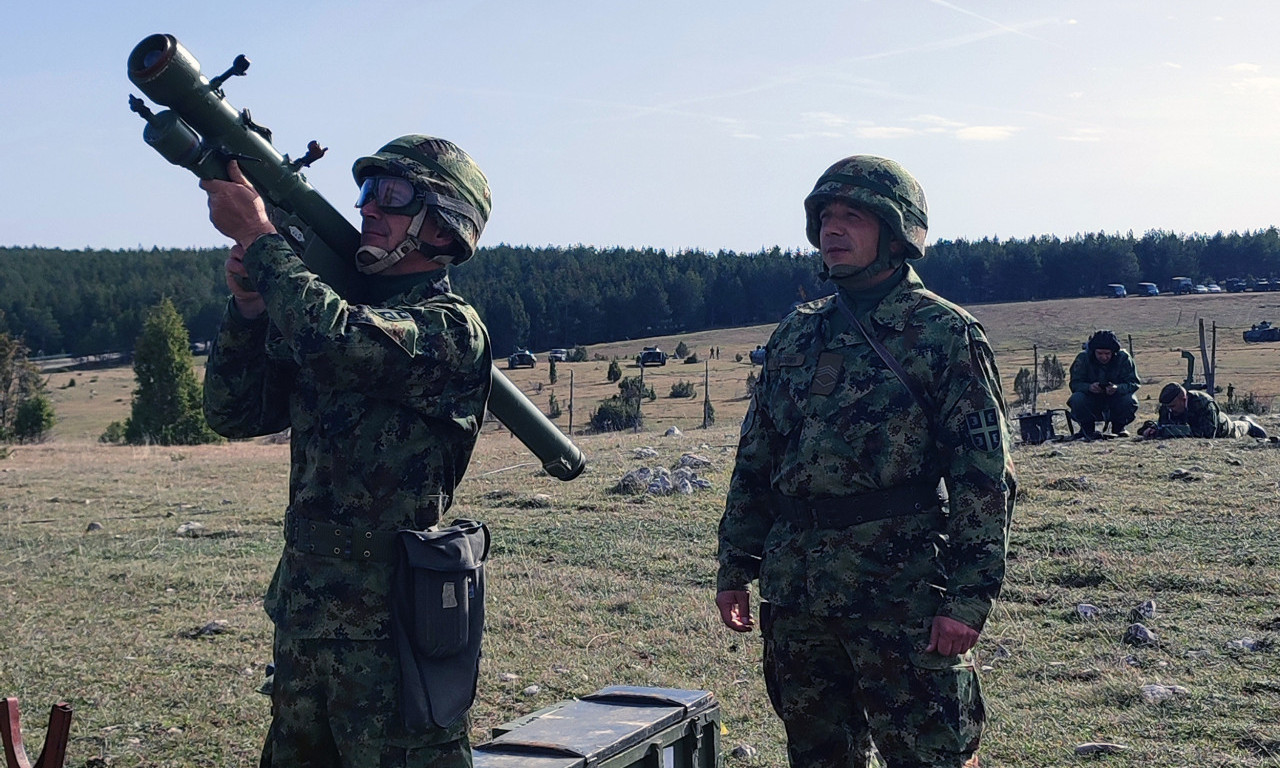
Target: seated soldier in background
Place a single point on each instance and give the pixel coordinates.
(1103, 384)
(1196, 414)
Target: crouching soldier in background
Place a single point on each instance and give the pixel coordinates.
(1195, 414)
(1104, 382)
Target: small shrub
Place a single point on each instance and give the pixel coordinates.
(1249, 402)
(692, 358)
(1052, 374)
(33, 419)
(633, 388)
(553, 407)
(577, 355)
(751, 382)
(551, 372)
(682, 388)
(71, 382)
(113, 434)
(682, 350)
(1022, 384)
(737, 358)
(615, 371)
(708, 412)
(617, 413)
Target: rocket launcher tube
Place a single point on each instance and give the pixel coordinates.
(201, 131)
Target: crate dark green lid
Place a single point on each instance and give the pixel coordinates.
(589, 731)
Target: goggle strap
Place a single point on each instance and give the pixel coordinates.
(424, 159)
(452, 204)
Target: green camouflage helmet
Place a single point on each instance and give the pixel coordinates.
(879, 185)
(454, 185)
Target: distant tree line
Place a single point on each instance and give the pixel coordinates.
(84, 302)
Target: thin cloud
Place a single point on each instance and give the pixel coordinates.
(1011, 29)
(1245, 67)
(1083, 135)
(827, 119)
(987, 132)
(936, 120)
(885, 132)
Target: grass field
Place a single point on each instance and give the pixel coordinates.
(590, 588)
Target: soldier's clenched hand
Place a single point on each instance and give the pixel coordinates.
(735, 609)
(236, 209)
(950, 637)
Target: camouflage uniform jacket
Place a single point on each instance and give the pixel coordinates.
(385, 403)
(1202, 416)
(1121, 371)
(870, 434)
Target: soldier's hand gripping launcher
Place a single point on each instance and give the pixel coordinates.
(201, 132)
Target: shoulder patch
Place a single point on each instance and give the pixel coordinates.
(397, 324)
(984, 429)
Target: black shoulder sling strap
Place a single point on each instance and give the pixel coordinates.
(890, 361)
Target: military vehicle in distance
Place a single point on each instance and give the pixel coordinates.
(652, 356)
(522, 358)
(1181, 285)
(558, 355)
(1115, 291)
(1263, 331)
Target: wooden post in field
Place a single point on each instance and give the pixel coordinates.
(1035, 375)
(570, 401)
(1131, 345)
(640, 395)
(706, 391)
(1206, 361)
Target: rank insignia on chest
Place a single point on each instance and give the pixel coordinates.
(826, 374)
(984, 429)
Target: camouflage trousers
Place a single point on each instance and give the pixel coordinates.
(335, 704)
(841, 684)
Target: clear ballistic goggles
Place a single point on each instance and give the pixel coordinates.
(393, 194)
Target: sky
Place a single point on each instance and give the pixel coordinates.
(673, 125)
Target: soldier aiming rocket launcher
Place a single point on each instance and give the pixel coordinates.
(201, 132)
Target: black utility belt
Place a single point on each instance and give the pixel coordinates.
(315, 537)
(846, 511)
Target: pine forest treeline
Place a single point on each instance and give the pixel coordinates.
(93, 301)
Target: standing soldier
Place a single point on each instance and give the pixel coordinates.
(874, 405)
(385, 400)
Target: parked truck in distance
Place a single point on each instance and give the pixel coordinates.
(1181, 285)
(1147, 289)
(652, 356)
(1115, 291)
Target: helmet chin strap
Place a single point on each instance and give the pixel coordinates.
(846, 276)
(370, 260)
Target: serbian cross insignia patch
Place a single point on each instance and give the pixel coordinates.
(984, 429)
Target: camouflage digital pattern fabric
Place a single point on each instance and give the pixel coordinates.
(868, 435)
(384, 403)
(879, 185)
(838, 684)
(1205, 418)
(444, 168)
(336, 703)
(1088, 407)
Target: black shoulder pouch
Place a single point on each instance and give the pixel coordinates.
(437, 618)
